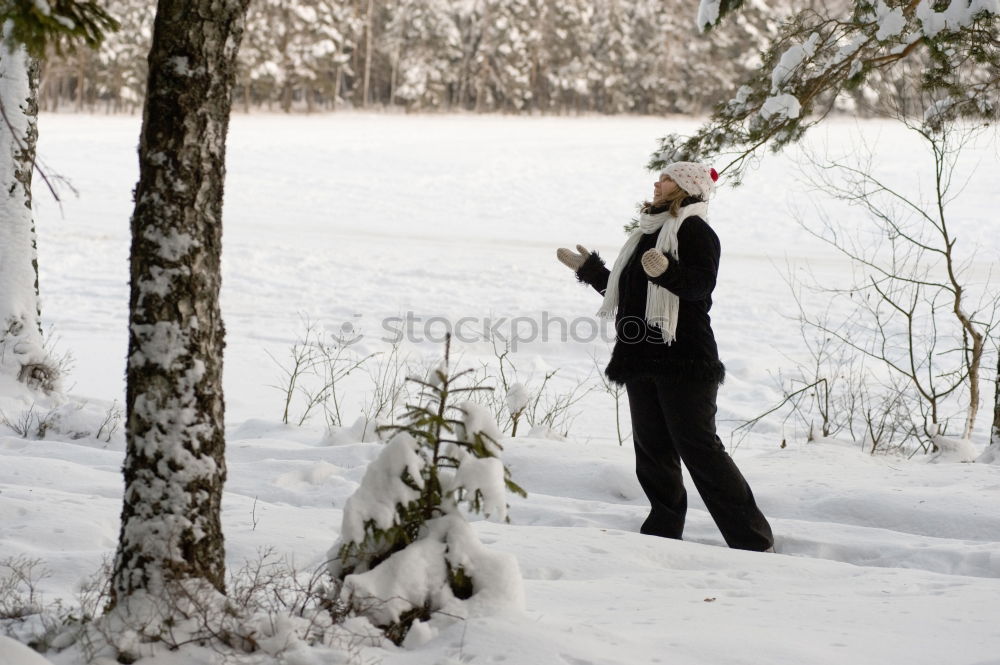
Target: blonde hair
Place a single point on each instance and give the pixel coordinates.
(671, 203)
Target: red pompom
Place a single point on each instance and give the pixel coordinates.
(714, 174)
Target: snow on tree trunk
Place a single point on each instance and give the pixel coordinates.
(175, 466)
(22, 354)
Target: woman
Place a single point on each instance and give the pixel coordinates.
(660, 292)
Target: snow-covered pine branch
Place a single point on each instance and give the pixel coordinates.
(820, 54)
(59, 23)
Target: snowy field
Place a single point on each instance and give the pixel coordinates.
(357, 222)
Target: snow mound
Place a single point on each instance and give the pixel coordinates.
(419, 573)
(362, 430)
(315, 474)
(991, 455)
(544, 432)
(15, 653)
(954, 450)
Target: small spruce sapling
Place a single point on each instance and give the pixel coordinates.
(406, 511)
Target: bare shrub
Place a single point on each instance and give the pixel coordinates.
(311, 372)
(615, 391)
(301, 360)
(388, 373)
(334, 365)
(520, 395)
(911, 322)
(112, 421)
(30, 423)
(19, 594)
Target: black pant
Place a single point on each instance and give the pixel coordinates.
(674, 421)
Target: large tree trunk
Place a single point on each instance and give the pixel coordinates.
(22, 354)
(174, 465)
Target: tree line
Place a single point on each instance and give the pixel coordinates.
(509, 56)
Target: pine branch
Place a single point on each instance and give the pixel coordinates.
(816, 57)
(59, 23)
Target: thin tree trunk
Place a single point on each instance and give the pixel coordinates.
(81, 78)
(174, 464)
(22, 353)
(995, 432)
(337, 81)
(368, 53)
(392, 77)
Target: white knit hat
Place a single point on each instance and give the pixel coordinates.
(694, 178)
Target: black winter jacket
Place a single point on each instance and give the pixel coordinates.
(639, 348)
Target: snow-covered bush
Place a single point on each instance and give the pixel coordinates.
(271, 611)
(405, 550)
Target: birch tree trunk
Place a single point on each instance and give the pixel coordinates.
(992, 453)
(174, 465)
(995, 431)
(22, 354)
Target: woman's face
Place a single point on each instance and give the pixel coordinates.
(663, 188)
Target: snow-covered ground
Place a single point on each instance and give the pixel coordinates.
(354, 219)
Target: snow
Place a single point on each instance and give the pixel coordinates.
(781, 105)
(940, 108)
(20, 343)
(517, 398)
(708, 13)
(382, 489)
(351, 217)
(181, 65)
(954, 450)
(485, 476)
(15, 653)
(891, 21)
(785, 104)
(958, 14)
(417, 574)
(792, 59)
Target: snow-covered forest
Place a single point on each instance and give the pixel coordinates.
(876, 552)
(363, 413)
(510, 56)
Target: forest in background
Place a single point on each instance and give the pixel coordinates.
(495, 56)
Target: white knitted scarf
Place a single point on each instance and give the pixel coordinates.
(662, 306)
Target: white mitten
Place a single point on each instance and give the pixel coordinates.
(654, 262)
(571, 259)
